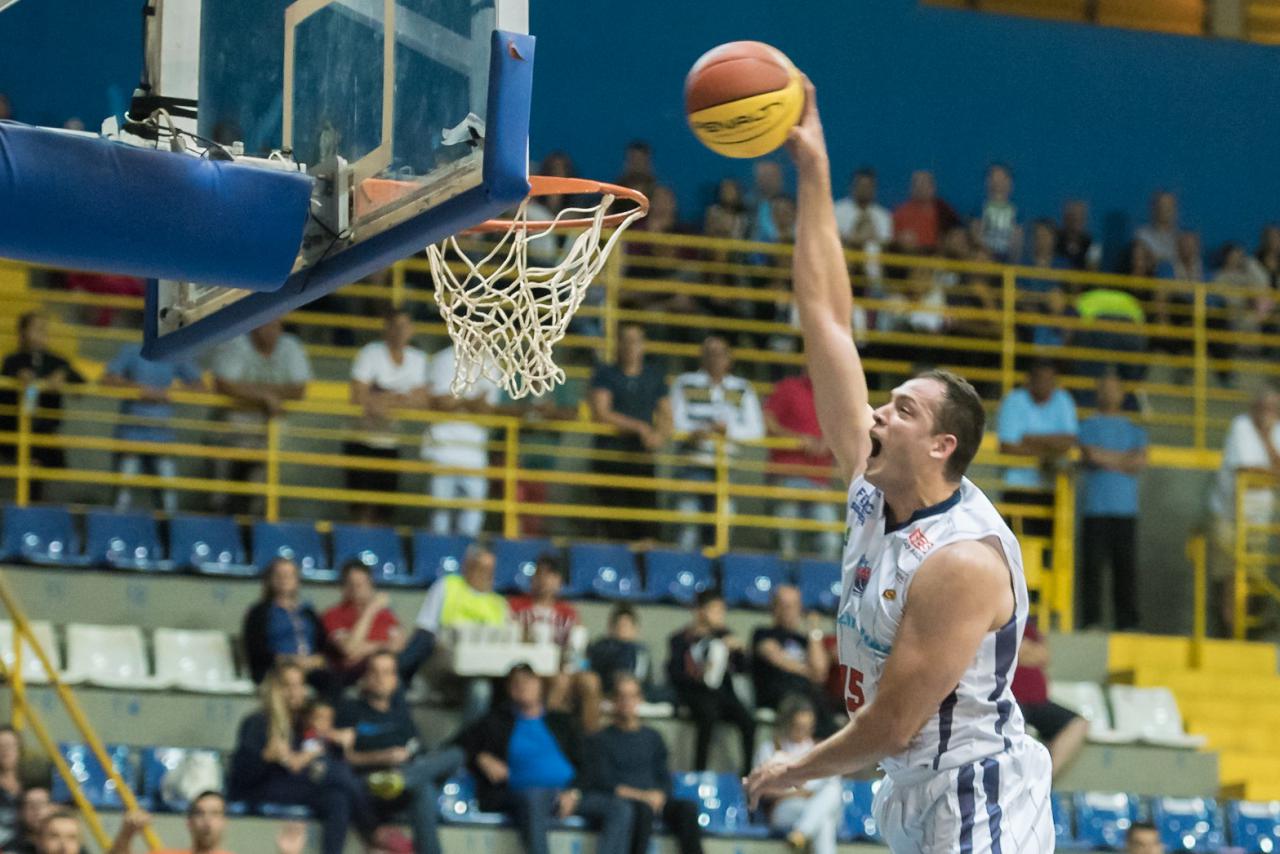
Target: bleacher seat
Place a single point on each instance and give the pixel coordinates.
(110, 656)
(41, 535)
(376, 547)
(197, 661)
(123, 541)
(1188, 824)
(458, 802)
(856, 821)
(722, 804)
(606, 571)
(300, 542)
(1086, 699)
(1150, 714)
(435, 555)
(32, 670)
(747, 580)
(98, 788)
(1102, 819)
(515, 561)
(675, 576)
(1063, 830)
(155, 763)
(819, 582)
(1254, 825)
(208, 544)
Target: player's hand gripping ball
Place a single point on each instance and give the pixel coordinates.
(742, 98)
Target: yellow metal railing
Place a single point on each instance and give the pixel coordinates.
(1253, 546)
(25, 714)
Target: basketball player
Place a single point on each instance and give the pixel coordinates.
(934, 600)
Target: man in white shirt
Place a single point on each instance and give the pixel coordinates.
(706, 404)
(386, 375)
(459, 445)
(1253, 445)
(1161, 234)
(863, 223)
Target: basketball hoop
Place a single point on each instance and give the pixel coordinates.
(508, 309)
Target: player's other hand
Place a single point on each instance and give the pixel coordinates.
(806, 142)
(769, 780)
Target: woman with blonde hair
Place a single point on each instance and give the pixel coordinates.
(810, 816)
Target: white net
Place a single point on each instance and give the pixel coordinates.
(507, 305)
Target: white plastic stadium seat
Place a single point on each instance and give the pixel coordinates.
(1151, 714)
(110, 656)
(197, 661)
(1086, 700)
(32, 669)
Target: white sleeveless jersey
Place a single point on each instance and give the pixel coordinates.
(980, 717)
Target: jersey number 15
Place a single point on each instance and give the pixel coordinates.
(852, 680)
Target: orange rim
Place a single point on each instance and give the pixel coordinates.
(545, 185)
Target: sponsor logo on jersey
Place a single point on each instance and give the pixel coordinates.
(861, 504)
(918, 542)
(861, 575)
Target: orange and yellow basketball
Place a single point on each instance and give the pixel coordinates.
(742, 98)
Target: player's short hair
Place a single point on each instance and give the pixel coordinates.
(207, 793)
(961, 414)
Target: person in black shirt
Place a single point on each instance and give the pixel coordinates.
(33, 807)
(30, 364)
(621, 650)
(631, 397)
(786, 659)
(629, 760)
(389, 752)
(700, 659)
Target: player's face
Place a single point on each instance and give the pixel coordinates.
(903, 437)
(60, 836)
(207, 823)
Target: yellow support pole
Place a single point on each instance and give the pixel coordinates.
(1008, 331)
(1064, 549)
(397, 284)
(1240, 572)
(1200, 404)
(1198, 553)
(510, 504)
(273, 470)
(19, 686)
(22, 495)
(722, 495)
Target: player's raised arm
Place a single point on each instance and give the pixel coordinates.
(824, 300)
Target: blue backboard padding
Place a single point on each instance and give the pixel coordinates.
(88, 203)
(505, 183)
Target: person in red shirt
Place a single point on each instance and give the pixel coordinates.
(921, 220)
(363, 623)
(1060, 729)
(790, 413)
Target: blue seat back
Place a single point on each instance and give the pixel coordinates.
(819, 582)
(1103, 819)
(515, 561)
(1254, 825)
(1063, 829)
(748, 580)
(122, 540)
(205, 541)
(856, 821)
(42, 534)
(676, 576)
(376, 547)
(154, 763)
(436, 555)
(297, 541)
(606, 571)
(91, 776)
(1188, 824)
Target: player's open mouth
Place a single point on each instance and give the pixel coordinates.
(875, 448)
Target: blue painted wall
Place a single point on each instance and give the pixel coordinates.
(1107, 114)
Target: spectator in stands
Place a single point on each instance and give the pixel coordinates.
(789, 658)
(997, 229)
(1115, 306)
(1252, 446)
(152, 380)
(863, 222)
(33, 363)
(637, 167)
(10, 784)
(282, 628)
(790, 413)
(1264, 267)
(1076, 245)
(621, 651)
(458, 444)
(1044, 296)
(631, 396)
(768, 185)
(710, 404)
(1160, 235)
(1061, 730)
(386, 375)
(59, 833)
(727, 216)
(33, 806)
(362, 624)
(272, 764)
(1258, 311)
(922, 219)
(1113, 452)
(206, 823)
(527, 760)
(543, 615)
(809, 816)
(1037, 420)
(401, 772)
(465, 599)
(701, 658)
(260, 372)
(628, 760)
(1143, 837)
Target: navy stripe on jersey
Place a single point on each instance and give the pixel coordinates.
(1006, 653)
(946, 713)
(991, 789)
(964, 790)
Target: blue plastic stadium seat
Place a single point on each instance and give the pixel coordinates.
(376, 547)
(297, 541)
(722, 804)
(124, 541)
(674, 576)
(605, 571)
(154, 763)
(1188, 824)
(1102, 819)
(208, 544)
(515, 561)
(435, 555)
(856, 820)
(41, 535)
(458, 802)
(1254, 825)
(819, 582)
(1063, 830)
(748, 580)
(91, 776)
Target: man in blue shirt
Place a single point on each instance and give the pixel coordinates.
(1113, 451)
(1038, 420)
